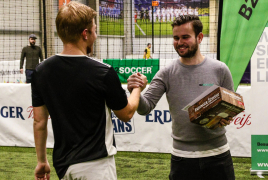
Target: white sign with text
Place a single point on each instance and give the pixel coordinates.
(151, 133)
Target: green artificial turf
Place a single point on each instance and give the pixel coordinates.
(19, 163)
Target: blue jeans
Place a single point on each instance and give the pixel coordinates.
(28, 74)
(218, 167)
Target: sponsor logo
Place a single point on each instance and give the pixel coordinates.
(11, 112)
(206, 84)
(121, 127)
(246, 11)
(9, 72)
(262, 164)
(242, 120)
(159, 116)
(127, 70)
(262, 144)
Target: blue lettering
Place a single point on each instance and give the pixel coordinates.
(113, 115)
(165, 116)
(129, 127)
(115, 126)
(11, 112)
(157, 116)
(4, 116)
(121, 127)
(19, 111)
(147, 118)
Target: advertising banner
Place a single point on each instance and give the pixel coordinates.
(10, 72)
(151, 133)
(259, 86)
(16, 116)
(127, 67)
(259, 157)
(238, 38)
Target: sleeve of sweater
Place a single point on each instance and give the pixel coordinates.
(227, 80)
(22, 58)
(154, 93)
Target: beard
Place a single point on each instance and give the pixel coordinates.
(191, 50)
(32, 43)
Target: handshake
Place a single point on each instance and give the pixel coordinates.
(136, 80)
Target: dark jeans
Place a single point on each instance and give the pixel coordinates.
(28, 74)
(218, 167)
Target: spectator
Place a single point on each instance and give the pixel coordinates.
(32, 54)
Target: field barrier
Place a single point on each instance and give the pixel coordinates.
(151, 133)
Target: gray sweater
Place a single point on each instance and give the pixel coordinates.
(181, 83)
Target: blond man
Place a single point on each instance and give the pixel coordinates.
(78, 92)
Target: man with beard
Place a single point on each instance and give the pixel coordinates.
(78, 93)
(198, 153)
(32, 54)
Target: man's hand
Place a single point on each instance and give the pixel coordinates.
(42, 171)
(135, 81)
(145, 81)
(21, 71)
(223, 123)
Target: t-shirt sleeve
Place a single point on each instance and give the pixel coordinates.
(145, 51)
(115, 95)
(37, 99)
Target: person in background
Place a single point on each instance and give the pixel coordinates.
(147, 52)
(32, 53)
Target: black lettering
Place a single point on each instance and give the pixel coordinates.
(254, 3)
(116, 69)
(243, 11)
(262, 144)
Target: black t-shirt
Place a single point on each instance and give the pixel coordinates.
(78, 92)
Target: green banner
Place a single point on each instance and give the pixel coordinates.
(127, 67)
(259, 152)
(243, 22)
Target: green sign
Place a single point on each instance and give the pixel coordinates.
(242, 25)
(127, 67)
(259, 152)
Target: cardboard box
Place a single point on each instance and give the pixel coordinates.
(213, 105)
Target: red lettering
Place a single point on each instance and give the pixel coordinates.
(31, 114)
(242, 121)
(238, 120)
(30, 111)
(247, 122)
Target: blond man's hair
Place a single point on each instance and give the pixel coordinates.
(72, 20)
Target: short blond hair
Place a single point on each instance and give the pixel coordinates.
(72, 19)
